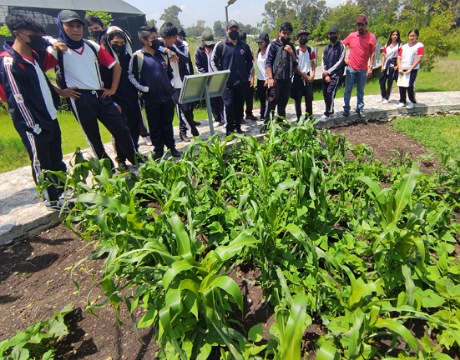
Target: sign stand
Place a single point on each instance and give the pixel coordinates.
(204, 86)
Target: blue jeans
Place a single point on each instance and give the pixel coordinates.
(352, 76)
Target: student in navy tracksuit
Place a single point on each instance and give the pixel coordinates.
(30, 99)
(235, 55)
(153, 79)
(181, 68)
(280, 65)
(333, 68)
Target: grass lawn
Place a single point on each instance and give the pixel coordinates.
(444, 77)
(439, 134)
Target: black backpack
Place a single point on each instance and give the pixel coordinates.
(282, 65)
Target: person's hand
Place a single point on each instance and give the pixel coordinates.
(327, 79)
(266, 83)
(69, 93)
(288, 48)
(325, 73)
(60, 46)
(407, 71)
(251, 82)
(271, 83)
(311, 78)
(107, 93)
(347, 62)
(174, 58)
(369, 72)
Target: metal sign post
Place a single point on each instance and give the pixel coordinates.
(204, 86)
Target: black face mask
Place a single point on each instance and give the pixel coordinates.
(333, 39)
(119, 49)
(37, 43)
(156, 44)
(285, 41)
(303, 41)
(234, 35)
(95, 34)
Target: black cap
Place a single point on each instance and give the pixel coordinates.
(208, 38)
(302, 32)
(232, 23)
(263, 37)
(68, 15)
(334, 30)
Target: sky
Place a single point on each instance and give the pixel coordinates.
(245, 11)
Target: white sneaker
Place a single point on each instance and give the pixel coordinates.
(147, 140)
(324, 118)
(384, 101)
(410, 105)
(400, 105)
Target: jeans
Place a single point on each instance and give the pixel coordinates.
(352, 76)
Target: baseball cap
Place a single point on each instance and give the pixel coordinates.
(361, 19)
(334, 30)
(302, 32)
(263, 37)
(68, 15)
(207, 37)
(232, 23)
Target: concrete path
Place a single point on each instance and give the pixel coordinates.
(22, 213)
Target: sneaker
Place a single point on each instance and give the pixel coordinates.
(324, 118)
(251, 117)
(242, 121)
(264, 129)
(361, 114)
(217, 124)
(157, 155)
(196, 123)
(147, 140)
(175, 153)
(122, 167)
(59, 205)
(183, 136)
(401, 105)
(239, 131)
(346, 113)
(410, 105)
(384, 101)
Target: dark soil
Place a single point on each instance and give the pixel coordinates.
(35, 276)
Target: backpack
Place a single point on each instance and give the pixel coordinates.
(282, 65)
(140, 61)
(60, 76)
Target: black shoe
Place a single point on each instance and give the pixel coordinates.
(122, 167)
(264, 129)
(251, 117)
(183, 136)
(196, 123)
(157, 155)
(239, 131)
(346, 113)
(175, 153)
(242, 121)
(229, 132)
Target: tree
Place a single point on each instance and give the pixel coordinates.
(171, 14)
(344, 17)
(4, 31)
(219, 29)
(105, 16)
(196, 29)
(273, 11)
(152, 22)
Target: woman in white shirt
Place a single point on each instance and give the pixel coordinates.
(389, 71)
(263, 42)
(409, 59)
